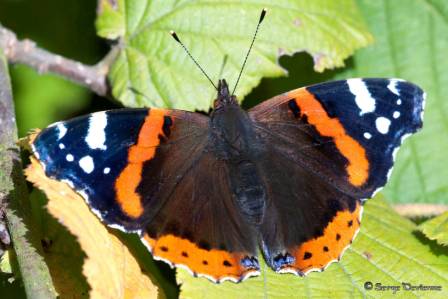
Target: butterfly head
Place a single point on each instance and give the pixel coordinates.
(224, 96)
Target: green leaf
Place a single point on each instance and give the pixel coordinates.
(151, 62)
(436, 228)
(411, 43)
(385, 251)
(10, 285)
(110, 25)
(5, 264)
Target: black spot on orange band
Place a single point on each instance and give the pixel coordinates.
(217, 264)
(227, 263)
(318, 252)
(307, 255)
(167, 123)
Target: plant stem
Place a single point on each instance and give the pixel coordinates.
(14, 198)
(415, 210)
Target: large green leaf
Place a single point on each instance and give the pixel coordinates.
(154, 64)
(436, 229)
(412, 43)
(385, 251)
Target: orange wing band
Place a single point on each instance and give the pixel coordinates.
(144, 150)
(358, 165)
(217, 265)
(317, 253)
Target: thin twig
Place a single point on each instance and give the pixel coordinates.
(26, 52)
(416, 210)
(14, 198)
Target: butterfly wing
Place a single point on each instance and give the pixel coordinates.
(147, 170)
(101, 155)
(337, 142)
(349, 130)
(307, 222)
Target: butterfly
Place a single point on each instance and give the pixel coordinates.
(287, 178)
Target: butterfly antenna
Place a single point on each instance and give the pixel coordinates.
(263, 13)
(224, 62)
(174, 35)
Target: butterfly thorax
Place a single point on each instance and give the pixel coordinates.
(231, 127)
(234, 140)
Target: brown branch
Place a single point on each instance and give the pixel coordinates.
(26, 52)
(14, 199)
(5, 239)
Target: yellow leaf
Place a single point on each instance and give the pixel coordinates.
(109, 267)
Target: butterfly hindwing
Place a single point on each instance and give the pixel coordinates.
(201, 227)
(307, 222)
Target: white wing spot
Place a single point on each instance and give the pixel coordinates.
(367, 135)
(68, 182)
(393, 86)
(382, 125)
(86, 163)
(62, 130)
(396, 114)
(423, 106)
(96, 134)
(399, 102)
(61, 146)
(363, 98)
(106, 170)
(69, 158)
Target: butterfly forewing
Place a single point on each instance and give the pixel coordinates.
(347, 131)
(102, 155)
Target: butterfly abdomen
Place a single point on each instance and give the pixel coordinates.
(249, 190)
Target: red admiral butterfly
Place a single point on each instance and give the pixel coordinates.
(288, 177)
